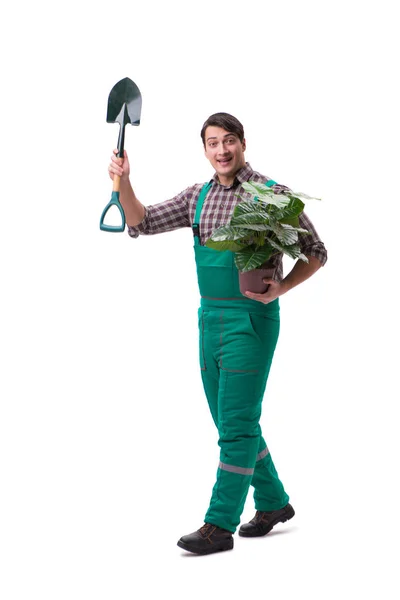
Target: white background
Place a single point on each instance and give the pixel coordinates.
(108, 453)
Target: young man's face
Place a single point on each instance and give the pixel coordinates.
(225, 152)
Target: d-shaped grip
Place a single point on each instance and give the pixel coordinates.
(113, 202)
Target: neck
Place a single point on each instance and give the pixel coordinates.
(229, 179)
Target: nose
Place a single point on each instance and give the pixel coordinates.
(222, 151)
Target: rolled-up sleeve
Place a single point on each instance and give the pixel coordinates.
(165, 216)
(134, 232)
(311, 244)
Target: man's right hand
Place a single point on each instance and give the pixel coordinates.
(119, 166)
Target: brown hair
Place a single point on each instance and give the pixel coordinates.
(227, 122)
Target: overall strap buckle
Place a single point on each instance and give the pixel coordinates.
(196, 230)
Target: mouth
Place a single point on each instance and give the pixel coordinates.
(224, 161)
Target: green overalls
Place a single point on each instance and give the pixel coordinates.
(237, 342)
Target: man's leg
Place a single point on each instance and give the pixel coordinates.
(239, 440)
(269, 493)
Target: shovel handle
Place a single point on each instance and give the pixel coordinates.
(116, 183)
(113, 202)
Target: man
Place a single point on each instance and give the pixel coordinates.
(238, 333)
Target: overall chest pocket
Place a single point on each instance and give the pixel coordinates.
(216, 273)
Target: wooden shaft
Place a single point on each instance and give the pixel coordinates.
(116, 182)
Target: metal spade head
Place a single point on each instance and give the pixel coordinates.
(124, 106)
(124, 103)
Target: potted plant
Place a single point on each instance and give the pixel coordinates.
(260, 229)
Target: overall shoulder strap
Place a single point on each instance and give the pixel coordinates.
(199, 206)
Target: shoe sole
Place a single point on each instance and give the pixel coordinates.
(289, 515)
(227, 545)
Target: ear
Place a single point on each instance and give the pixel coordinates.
(244, 144)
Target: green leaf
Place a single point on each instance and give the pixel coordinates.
(249, 218)
(223, 245)
(248, 207)
(301, 195)
(293, 221)
(260, 189)
(286, 235)
(255, 221)
(228, 233)
(257, 189)
(298, 229)
(256, 226)
(264, 194)
(278, 200)
(249, 259)
(293, 209)
(293, 250)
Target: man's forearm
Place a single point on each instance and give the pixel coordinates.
(300, 272)
(133, 209)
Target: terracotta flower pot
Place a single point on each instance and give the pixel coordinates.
(252, 281)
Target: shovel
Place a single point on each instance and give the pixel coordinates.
(124, 106)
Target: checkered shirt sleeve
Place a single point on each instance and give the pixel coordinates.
(166, 216)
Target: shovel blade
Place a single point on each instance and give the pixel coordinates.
(124, 103)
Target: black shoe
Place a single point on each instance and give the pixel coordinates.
(264, 521)
(207, 539)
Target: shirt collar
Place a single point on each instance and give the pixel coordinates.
(244, 174)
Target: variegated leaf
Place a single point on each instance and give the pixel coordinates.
(265, 194)
(292, 251)
(249, 259)
(249, 218)
(301, 195)
(228, 233)
(298, 229)
(293, 209)
(248, 207)
(256, 189)
(256, 226)
(284, 235)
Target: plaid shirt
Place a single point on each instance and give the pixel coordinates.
(217, 210)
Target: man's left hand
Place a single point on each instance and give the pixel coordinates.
(273, 292)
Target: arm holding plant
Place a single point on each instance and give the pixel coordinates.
(300, 272)
(311, 247)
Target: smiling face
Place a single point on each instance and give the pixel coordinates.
(225, 152)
